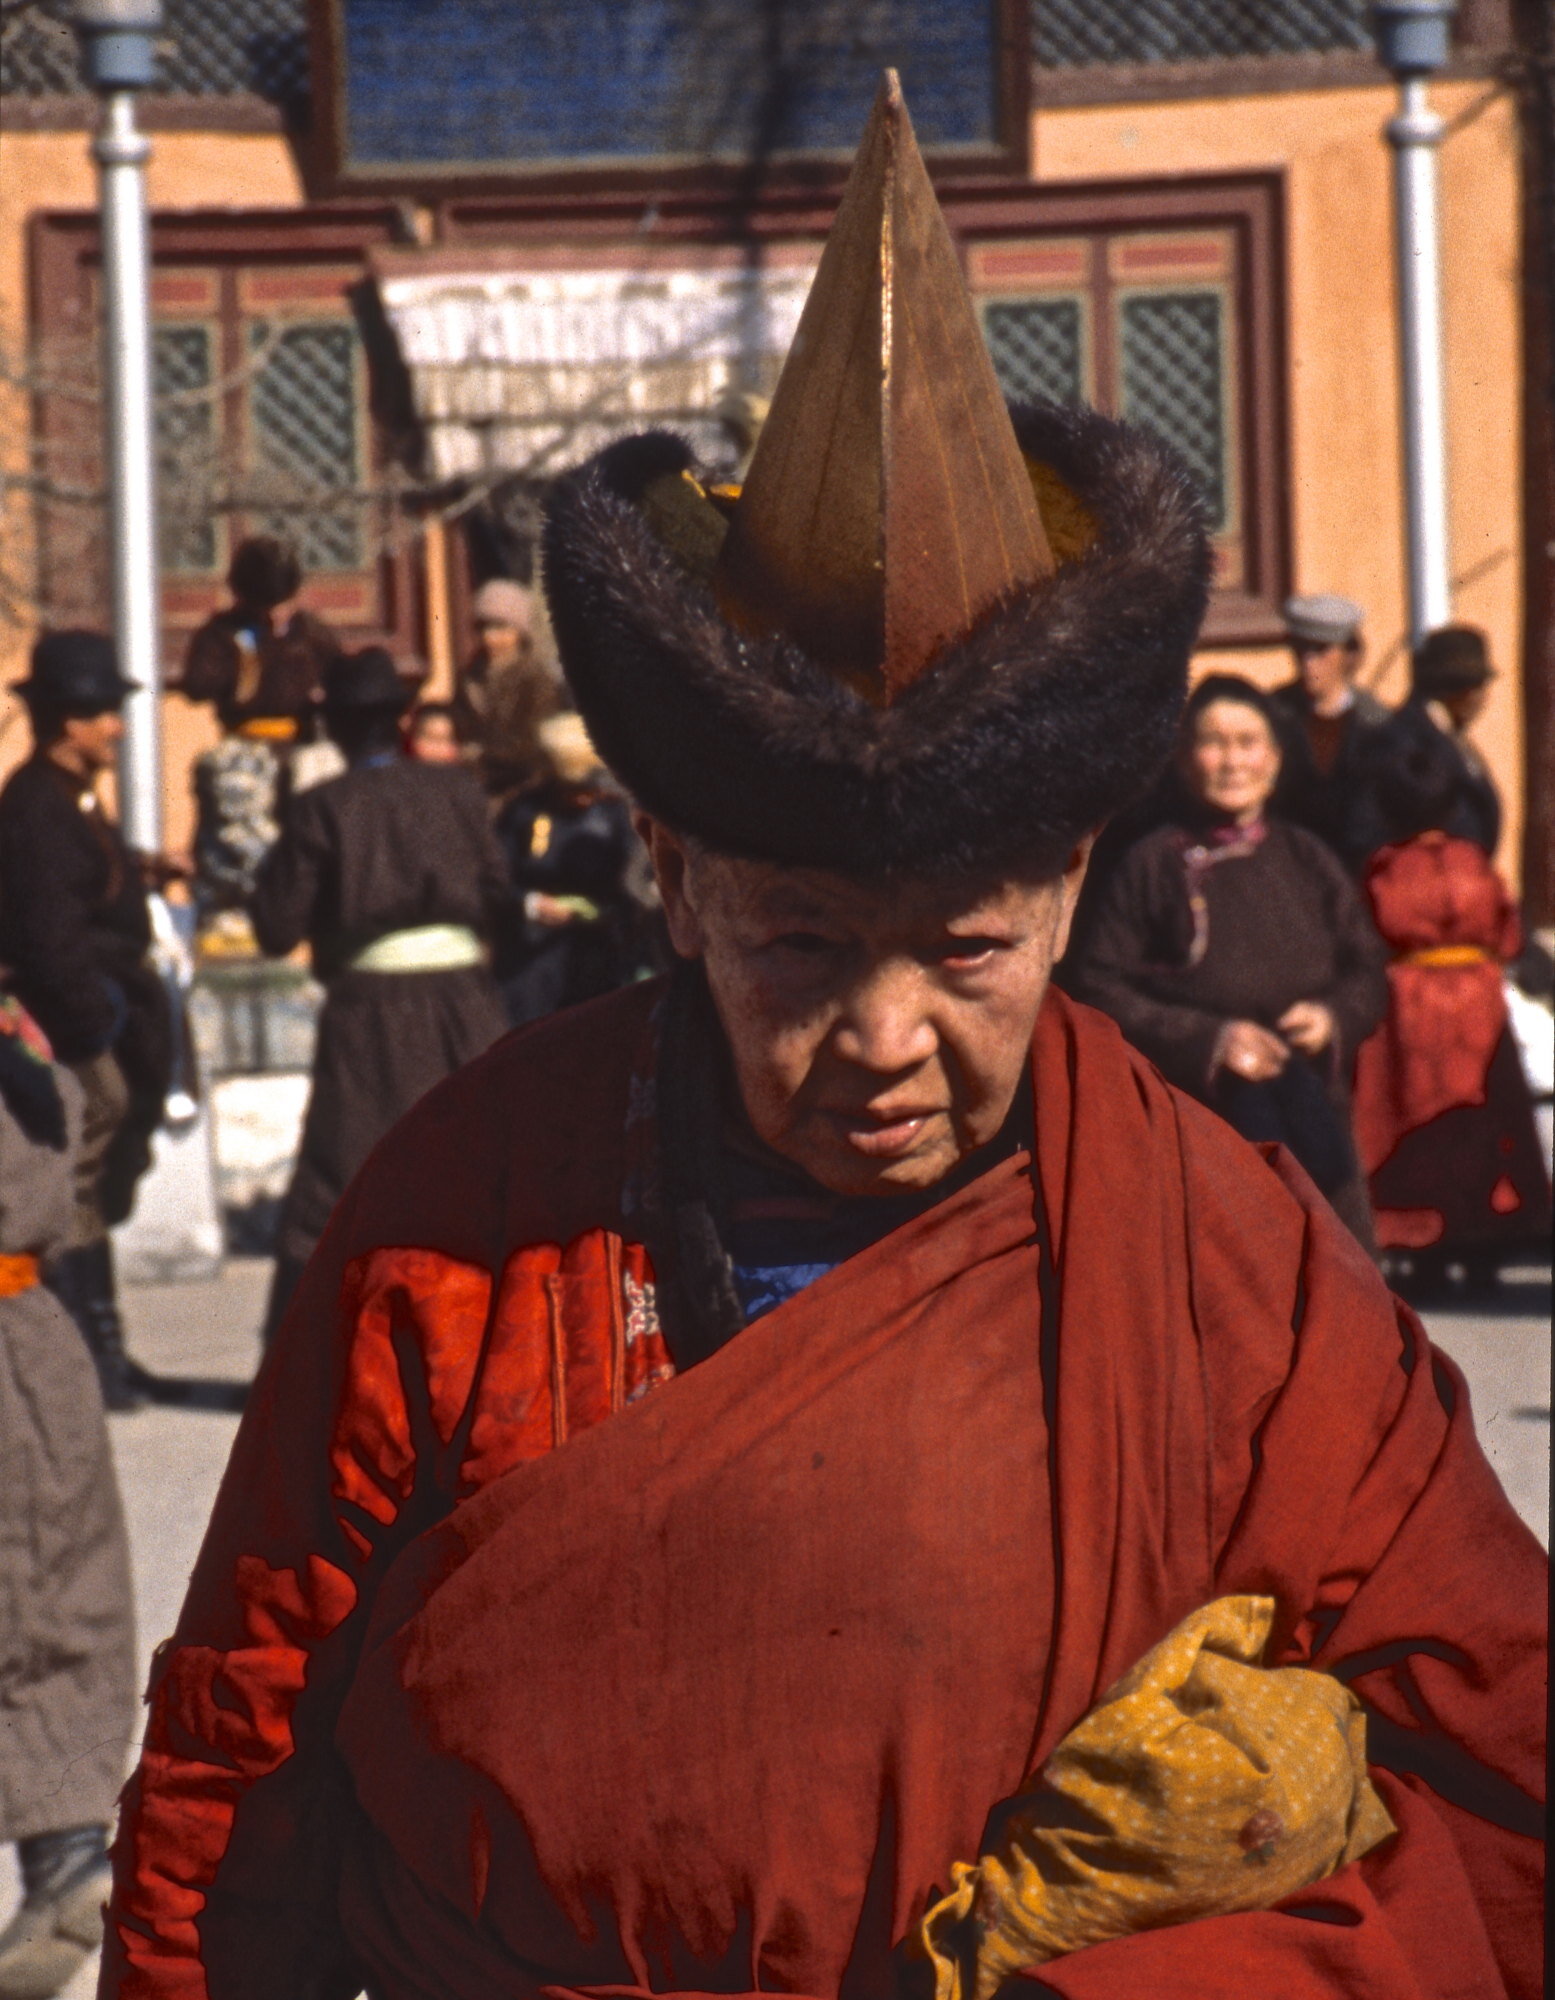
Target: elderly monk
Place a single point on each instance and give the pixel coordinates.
(733, 1432)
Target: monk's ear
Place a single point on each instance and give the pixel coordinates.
(1070, 884)
(671, 861)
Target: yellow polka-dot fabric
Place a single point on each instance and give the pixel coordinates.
(1202, 1783)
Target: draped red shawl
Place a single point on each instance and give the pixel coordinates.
(710, 1699)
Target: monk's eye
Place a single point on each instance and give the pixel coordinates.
(967, 951)
(808, 944)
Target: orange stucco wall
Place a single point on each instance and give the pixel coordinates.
(1346, 472)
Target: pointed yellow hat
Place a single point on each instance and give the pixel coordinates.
(887, 506)
(867, 659)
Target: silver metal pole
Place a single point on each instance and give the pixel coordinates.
(121, 152)
(1414, 39)
(1414, 136)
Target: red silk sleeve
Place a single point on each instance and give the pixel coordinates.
(228, 1844)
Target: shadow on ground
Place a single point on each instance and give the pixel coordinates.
(196, 1392)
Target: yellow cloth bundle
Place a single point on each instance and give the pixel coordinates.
(1203, 1783)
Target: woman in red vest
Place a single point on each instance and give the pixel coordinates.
(1443, 1117)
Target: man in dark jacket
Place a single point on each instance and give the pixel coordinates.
(392, 874)
(575, 929)
(1328, 727)
(1450, 676)
(74, 934)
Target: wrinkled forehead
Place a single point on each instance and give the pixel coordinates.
(1231, 718)
(737, 890)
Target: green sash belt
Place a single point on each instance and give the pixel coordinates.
(424, 948)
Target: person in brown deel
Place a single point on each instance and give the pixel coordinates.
(1235, 952)
(261, 661)
(508, 687)
(734, 1435)
(75, 933)
(67, 1641)
(1328, 727)
(393, 876)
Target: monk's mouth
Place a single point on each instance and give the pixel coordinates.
(881, 1138)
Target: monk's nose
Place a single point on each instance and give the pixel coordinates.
(884, 1024)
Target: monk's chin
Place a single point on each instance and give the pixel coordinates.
(848, 1162)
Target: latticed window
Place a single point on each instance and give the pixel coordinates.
(1141, 323)
(1038, 348)
(1069, 34)
(304, 427)
(263, 417)
(187, 432)
(1172, 379)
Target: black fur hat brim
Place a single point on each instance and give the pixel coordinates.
(1055, 710)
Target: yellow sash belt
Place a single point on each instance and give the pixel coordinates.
(1447, 954)
(268, 729)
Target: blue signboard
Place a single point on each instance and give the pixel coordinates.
(476, 87)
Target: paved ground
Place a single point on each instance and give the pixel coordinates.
(170, 1460)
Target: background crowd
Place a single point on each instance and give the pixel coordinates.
(1302, 924)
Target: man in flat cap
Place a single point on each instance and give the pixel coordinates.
(1328, 728)
(75, 933)
(735, 1433)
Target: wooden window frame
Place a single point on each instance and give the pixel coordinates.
(550, 228)
(63, 259)
(1250, 209)
(985, 210)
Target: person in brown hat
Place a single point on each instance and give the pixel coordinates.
(261, 661)
(508, 687)
(1450, 676)
(733, 1432)
(391, 874)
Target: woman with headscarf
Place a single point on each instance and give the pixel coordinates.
(1234, 951)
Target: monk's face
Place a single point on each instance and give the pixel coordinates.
(878, 1033)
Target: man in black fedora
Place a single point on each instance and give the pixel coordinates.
(393, 876)
(74, 936)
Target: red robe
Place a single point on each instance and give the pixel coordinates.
(711, 1699)
(1443, 1121)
